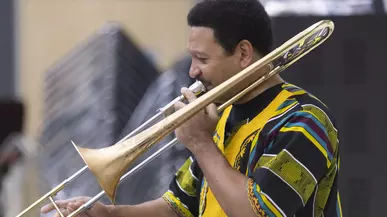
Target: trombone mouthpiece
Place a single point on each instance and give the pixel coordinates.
(197, 87)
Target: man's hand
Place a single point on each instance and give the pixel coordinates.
(198, 131)
(157, 207)
(227, 184)
(66, 207)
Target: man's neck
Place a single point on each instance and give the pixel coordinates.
(276, 79)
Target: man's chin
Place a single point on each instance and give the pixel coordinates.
(209, 87)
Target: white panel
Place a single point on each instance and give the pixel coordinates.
(318, 7)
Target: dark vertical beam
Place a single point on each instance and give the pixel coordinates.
(348, 69)
(379, 7)
(7, 67)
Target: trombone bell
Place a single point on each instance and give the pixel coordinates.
(110, 163)
(107, 165)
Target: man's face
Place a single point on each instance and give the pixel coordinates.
(210, 63)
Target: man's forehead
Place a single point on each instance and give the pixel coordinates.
(201, 33)
(200, 40)
(197, 48)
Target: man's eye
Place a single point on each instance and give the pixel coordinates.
(202, 59)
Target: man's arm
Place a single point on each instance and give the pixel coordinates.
(152, 208)
(179, 200)
(227, 184)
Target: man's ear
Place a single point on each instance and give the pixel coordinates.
(246, 51)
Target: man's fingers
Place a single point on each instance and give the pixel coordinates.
(62, 204)
(178, 105)
(71, 207)
(56, 214)
(212, 110)
(49, 207)
(63, 211)
(189, 95)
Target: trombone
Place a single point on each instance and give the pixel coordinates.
(109, 167)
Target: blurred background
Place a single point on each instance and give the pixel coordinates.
(91, 71)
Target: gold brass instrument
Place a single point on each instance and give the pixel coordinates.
(109, 164)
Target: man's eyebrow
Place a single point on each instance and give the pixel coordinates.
(197, 52)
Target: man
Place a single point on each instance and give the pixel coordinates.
(273, 153)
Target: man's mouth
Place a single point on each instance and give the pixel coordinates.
(208, 87)
(206, 84)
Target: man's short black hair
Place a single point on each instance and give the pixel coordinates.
(234, 21)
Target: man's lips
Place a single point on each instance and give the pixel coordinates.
(207, 85)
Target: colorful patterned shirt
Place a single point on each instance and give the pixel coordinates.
(286, 142)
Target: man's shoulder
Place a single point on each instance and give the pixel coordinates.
(307, 121)
(300, 105)
(307, 102)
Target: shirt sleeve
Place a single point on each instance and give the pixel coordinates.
(299, 154)
(181, 196)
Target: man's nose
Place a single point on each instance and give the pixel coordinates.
(194, 71)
